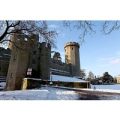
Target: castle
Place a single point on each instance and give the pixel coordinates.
(30, 58)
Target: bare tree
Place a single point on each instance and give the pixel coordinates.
(87, 27)
(82, 73)
(8, 28)
(110, 26)
(84, 27)
(91, 75)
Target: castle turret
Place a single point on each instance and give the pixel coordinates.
(72, 57)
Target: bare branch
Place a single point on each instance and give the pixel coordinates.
(110, 26)
(28, 28)
(14, 24)
(84, 27)
(7, 23)
(12, 43)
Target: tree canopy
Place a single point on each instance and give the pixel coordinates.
(8, 28)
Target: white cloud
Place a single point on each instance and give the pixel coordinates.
(115, 61)
(109, 61)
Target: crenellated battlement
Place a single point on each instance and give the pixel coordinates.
(72, 44)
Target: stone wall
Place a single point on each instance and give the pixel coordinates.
(4, 61)
(31, 53)
(18, 62)
(60, 68)
(44, 60)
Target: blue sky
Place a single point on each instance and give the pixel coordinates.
(99, 53)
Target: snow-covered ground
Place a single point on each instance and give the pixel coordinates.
(106, 88)
(112, 87)
(48, 93)
(44, 93)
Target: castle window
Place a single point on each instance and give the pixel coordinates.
(72, 48)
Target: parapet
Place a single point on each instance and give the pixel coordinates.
(72, 44)
(44, 44)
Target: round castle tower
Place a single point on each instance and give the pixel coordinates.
(72, 57)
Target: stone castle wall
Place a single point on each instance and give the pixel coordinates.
(18, 62)
(40, 55)
(60, 68)
(37, 56)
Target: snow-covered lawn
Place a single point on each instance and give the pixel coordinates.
(112, 87)
(106, 88)
(50, 93)
(45, 93)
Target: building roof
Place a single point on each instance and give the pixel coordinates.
(66, 79)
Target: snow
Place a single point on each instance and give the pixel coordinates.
(58, 93)
(103, 90)
(66, 79)
(61, 79)
(114, 86)
(2, 84)
(53, 93)
(91, 89)
(106, 88)
(44, 93)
